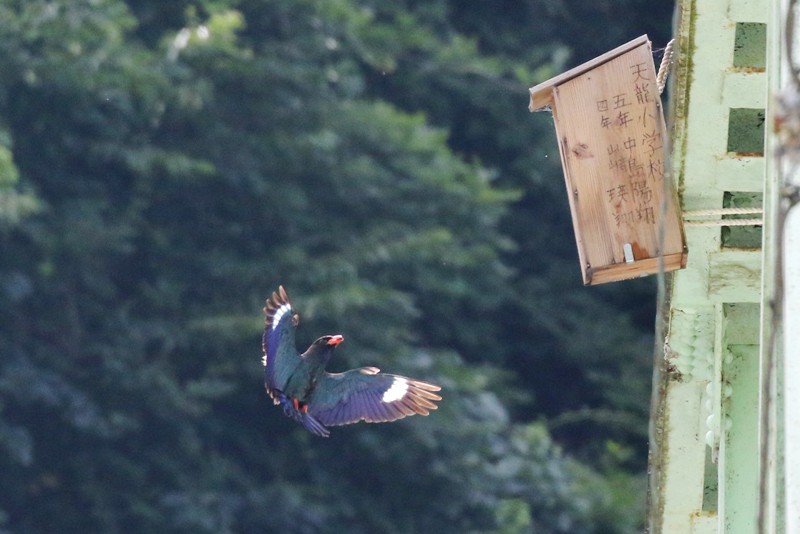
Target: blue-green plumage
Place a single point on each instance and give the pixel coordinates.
(316, 398)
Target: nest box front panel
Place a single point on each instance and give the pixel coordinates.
(611, 135)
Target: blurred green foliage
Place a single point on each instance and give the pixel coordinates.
(165, 165)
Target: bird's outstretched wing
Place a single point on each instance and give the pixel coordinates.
(280, 354)
(369, 395)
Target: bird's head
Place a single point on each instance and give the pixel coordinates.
(328, 341)
(322, 349)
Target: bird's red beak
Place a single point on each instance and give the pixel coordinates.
(335, 340)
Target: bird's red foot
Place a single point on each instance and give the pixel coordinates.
(298, 406)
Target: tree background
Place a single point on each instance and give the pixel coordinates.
(165, 165)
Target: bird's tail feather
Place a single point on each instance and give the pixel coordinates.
(308, 421)
(314, 426)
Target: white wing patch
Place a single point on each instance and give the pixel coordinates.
(397, 390)
(279, 313)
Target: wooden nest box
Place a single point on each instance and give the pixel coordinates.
(611, 137)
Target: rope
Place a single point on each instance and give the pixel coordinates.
(663, 69)
(722, 211)
(726, 222)
(696, 214)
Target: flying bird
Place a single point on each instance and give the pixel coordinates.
(318, 399)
